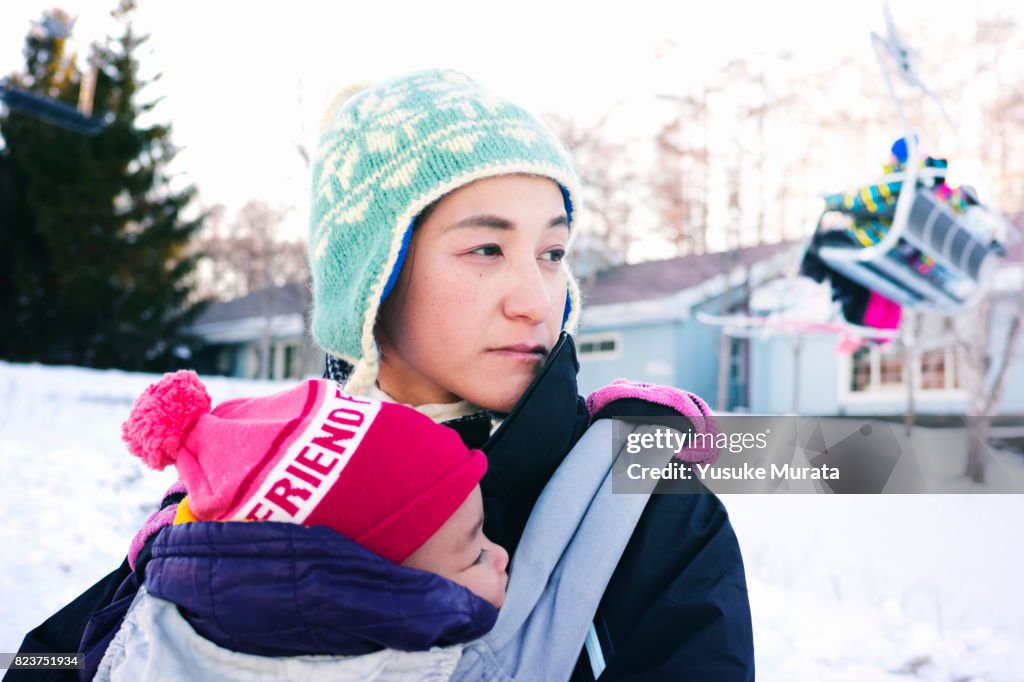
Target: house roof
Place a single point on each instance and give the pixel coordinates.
(662, 278)
(290, 299)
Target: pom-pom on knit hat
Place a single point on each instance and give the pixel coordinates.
(386, 153)
(381, 474)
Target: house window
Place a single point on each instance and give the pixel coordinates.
(860, 372)
(599, 346)
(881, 368)
(289, 361)
(737, 360)
(738, 396)
(933, 369)
(225, 360)
(890, 365)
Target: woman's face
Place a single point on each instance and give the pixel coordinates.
(479, 301)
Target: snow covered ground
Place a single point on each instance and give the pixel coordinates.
(842, 588)
(72, 497)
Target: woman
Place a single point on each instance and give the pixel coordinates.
(440, 220)
(441, 217)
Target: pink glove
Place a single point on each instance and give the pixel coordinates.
(156, 521)
(683, 402)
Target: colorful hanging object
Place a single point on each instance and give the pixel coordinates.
(938, 256)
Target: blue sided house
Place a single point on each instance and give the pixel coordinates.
(640, 320)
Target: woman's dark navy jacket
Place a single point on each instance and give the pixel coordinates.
(676, 607)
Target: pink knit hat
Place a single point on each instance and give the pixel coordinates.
(383, 475)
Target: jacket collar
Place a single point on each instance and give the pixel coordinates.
(529, 445)
(550, 406)
(281, 589)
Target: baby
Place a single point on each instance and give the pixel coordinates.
(364, 554)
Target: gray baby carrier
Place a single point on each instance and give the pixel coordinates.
(570, 547)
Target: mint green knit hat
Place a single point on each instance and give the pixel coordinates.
(385, 154)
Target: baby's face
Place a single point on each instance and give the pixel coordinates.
(460, 552)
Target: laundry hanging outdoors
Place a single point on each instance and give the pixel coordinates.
(939, 255)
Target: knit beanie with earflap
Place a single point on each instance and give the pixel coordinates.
(383, 475)
(385, 154)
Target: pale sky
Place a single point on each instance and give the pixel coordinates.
(243, 81)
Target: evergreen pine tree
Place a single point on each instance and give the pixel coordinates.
(95, 270)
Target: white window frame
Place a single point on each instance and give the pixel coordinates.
(877, 391)
(597, 339)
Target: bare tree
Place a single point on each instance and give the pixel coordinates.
(727, 264)
(987, 358)
(986, 365)
(680, 180)
(1002, 112)
(249, 252)
(247, 255)
(612, 185)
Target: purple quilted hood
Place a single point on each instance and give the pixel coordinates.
(281, 589)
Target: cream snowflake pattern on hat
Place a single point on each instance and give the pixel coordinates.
(385, 154)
